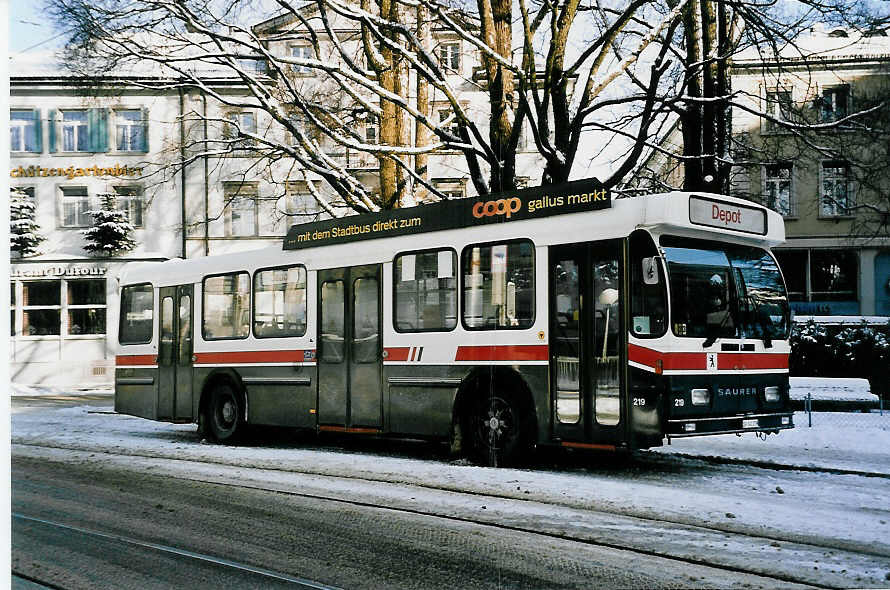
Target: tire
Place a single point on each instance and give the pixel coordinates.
(499, 430)
(223, 414)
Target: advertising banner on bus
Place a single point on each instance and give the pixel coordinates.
(532, 203)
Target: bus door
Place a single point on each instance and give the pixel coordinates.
(350, 361)
(175, 353)
(587, 343)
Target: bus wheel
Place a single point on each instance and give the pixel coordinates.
(223, 416)
(497, 427)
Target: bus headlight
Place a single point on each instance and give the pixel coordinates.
(701, 397)
(771, 393)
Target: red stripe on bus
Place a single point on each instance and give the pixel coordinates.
(253, 356)
(696, 361)
(533, 352)
(399, 353)
(673, 361)
(764, 360)
(136, 359)
(350, 430)
(592, 447)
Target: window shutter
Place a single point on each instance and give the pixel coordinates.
(51, 121)
(97, 120)
(145, 130)
(38, 132)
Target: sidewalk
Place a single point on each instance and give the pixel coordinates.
(847, 441)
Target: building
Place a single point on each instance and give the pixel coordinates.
(831, 183)
(74, 139)
(799, 147)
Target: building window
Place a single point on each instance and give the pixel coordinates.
(499, 285)
(41, 308)
(833, 275)
(837, 194)
(75, 206)
(25, 131)
(240, 215)
(137, 313)
(778, 194)
(835, 103)
(279, 299)
(371, 130)
(451, 188)
(130, 200)
(425, 297)
(301, 52)
(448, 122)
(239, 125)
(254, 67)
(820, 275)
(778, 107)
(226, 306)
(75, 131)
(131, 131)
(449, 55)
(86, 306)
(12, 308)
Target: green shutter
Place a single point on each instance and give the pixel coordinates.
(97, 121)
(51, 121)
(145, 130)
(38, 132)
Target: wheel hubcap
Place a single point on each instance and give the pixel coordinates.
(228, 412)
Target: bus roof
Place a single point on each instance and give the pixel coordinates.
(701, 215)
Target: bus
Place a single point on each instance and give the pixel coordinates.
(555, 315)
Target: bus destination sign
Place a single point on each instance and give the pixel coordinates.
(531, 203)
(725, 215)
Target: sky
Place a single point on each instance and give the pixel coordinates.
(29, 27)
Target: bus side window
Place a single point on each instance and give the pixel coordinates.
(499, 285)
(425, 294)
(647, 297)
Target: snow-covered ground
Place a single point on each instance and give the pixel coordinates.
(831, 388)
(830, 509)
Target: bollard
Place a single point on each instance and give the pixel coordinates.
(810, 409)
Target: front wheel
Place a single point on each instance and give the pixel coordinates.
(223, 414)
(498, 428)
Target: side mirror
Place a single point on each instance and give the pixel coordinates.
(650, 270)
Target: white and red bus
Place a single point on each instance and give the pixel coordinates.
(547, 316)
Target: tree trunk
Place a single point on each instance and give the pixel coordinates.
(497, 33)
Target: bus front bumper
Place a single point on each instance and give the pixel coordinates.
(769, 423)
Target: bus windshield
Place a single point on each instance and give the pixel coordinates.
(725, 291)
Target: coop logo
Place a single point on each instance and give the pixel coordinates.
(500, 207)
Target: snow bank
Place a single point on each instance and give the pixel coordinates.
(831, 389)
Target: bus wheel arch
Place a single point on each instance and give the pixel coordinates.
(222, 414)
(494, 420)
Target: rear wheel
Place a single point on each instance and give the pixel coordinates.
(499, 430)
(223, 414)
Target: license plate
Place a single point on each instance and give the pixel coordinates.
(751, 423)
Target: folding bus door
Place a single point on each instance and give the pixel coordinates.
(350, 361)
(175, 354)
(587, 343)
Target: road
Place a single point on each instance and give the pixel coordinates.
(106, 501)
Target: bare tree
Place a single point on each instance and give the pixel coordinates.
(372, 62)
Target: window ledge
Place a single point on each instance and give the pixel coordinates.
(835, 217)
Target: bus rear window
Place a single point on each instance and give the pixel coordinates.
(137, 309)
